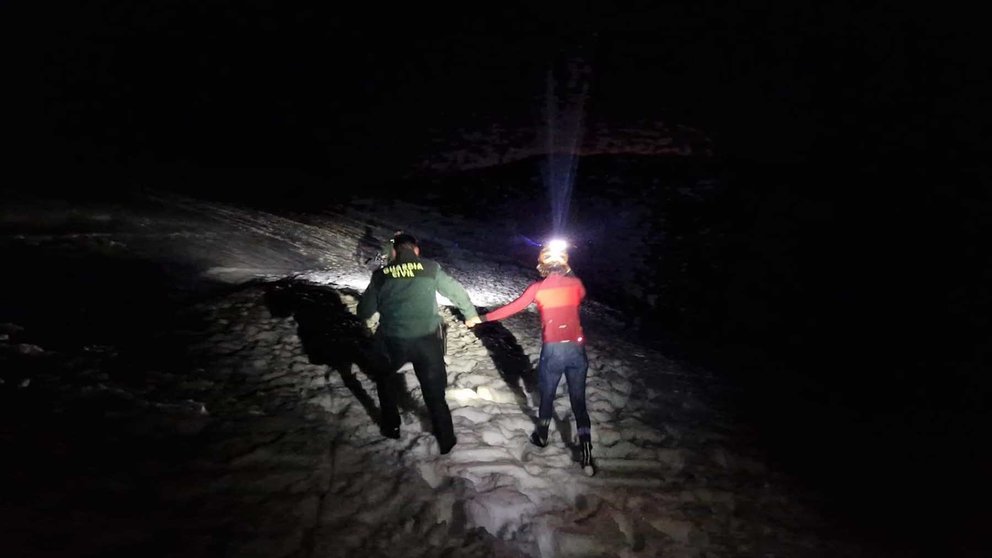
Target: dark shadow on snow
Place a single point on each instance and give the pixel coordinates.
(515, 369)
(333, 336)
(511, 362)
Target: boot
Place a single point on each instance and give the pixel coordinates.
(390, 431)
(445, 448)
(540, 435)
(585, 457)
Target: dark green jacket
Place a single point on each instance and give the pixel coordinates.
(403, 292)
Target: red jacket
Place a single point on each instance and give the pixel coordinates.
(558, 298)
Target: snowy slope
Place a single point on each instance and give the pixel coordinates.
(265, 441)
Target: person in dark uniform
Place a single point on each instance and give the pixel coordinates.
(403, 292)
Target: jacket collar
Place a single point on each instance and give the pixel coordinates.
(404, 255)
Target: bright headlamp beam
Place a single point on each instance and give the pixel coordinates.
(557, 246)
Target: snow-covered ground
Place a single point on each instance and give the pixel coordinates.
(244, 426)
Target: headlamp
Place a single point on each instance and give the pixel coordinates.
(557, 247)
(553, 256)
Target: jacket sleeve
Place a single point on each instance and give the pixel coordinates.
(368, 305)
(455, 292)
(523, 301)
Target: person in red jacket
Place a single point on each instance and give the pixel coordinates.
(558, 296)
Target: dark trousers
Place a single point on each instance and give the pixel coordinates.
(427, 356)
(568, 359)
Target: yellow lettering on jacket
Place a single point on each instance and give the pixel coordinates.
(403, 270)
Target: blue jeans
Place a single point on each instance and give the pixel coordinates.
(568, 359)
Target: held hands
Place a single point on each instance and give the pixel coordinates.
(473, 321)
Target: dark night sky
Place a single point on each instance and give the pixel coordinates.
(249, 83)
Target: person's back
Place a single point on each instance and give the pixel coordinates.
(406, 299)
(404, 293)
(558, 296)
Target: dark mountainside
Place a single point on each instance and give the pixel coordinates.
(827, 257)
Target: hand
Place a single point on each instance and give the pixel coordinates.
(473, 321)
